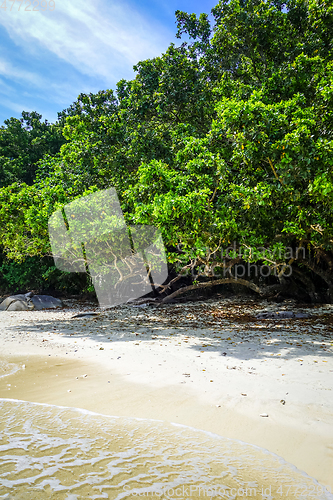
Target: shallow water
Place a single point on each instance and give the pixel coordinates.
(66, 453)
(7, 368)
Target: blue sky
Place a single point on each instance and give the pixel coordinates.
(48, 58)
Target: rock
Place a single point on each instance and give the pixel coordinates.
(142, 302)
(29, 302)
(281, 315)
(45, 302)
(16, 303)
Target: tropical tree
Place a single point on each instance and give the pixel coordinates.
(23, 142)
(223, 141)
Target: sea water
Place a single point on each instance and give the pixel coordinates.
(52, 452)
(7, 368)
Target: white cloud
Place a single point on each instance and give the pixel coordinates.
(99, 39)
(25, 86)
(14, 106)
(4, 88)
(11, 71)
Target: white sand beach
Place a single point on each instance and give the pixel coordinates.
(210, 365)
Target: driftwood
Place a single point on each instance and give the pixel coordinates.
(84, 315)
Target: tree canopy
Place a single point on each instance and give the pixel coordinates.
(23, 142)
(225, 140)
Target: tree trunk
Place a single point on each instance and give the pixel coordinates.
(325, 275)
(223, 281)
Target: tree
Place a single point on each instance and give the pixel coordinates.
(23, 143)
(226, 140)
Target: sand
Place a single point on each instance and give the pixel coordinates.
(210, 365)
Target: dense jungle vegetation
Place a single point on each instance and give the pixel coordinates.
(225, 140)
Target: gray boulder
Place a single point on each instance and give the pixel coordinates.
(16, 303)
(29, 302)
(45, 302)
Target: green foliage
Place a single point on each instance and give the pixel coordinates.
(23, 143)
(16, 277)
(228, 138)
(36, 273)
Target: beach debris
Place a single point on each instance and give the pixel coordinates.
(218, 406)
(85, 315)
(101, 348)
(281, 315)
(142, 302)
(243, 394)
(28, 302)
(263, 415)
(282, 402)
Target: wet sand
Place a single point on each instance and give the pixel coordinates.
(174, 365)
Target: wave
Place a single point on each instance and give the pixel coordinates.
(50, 451)
(7, 368)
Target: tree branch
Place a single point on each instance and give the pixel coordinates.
(223, 281)
(274, 171)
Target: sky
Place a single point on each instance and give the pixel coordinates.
(67, 47)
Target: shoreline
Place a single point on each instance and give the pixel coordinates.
(144, 363)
